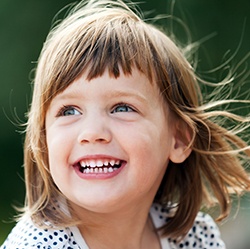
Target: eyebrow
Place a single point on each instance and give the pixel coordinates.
(68, 95)
(120, 94)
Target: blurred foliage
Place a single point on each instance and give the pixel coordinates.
(23, 29)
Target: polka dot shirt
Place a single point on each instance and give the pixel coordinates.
(203, 235)
(25, 235)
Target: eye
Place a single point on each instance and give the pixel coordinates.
(122, 108)
(68, 111)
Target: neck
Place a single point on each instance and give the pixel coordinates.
(128, 229)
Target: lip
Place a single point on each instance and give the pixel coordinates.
(100, 176)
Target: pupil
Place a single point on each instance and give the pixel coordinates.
(69, 112)
(122, 109)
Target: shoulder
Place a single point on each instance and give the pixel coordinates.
(203, 234)
(27, 235)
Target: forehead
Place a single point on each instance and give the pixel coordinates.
(135, 83)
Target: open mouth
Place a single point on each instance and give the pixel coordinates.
(99, 166)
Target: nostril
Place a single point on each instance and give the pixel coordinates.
(98, 140)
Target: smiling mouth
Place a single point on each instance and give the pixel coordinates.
(99, 166)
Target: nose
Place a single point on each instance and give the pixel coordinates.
(94, 129)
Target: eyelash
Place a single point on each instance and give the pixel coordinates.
(62, 110)
(123, 105)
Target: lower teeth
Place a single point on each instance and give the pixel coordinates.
(98, 170)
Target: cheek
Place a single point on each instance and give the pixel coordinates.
(148, 164)
(58, 144)
(150, 145)
(58, 160)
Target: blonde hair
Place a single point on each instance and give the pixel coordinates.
(103, 35)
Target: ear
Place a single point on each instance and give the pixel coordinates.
(180, 145)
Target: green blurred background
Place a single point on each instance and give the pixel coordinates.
(23, 29)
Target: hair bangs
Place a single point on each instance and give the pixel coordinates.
(121, 48)
(111, 46)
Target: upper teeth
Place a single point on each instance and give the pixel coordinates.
(99, 163)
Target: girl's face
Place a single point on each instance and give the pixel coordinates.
(109, 141)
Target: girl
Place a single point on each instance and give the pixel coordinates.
(120, 150)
